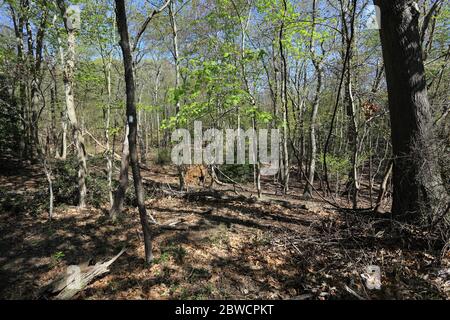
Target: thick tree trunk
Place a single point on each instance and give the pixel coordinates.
(122, 25)
(418, 187)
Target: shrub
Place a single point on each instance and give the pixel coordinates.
(163, 157)
(237, 172)
(23, 203)
(65, 185)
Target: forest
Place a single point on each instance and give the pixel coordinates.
(224, 149)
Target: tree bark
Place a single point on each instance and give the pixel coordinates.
(107, 115)
(317, 62)
(348, 15)
(418, 188)
(69, 74)
(122, 25)
(312, 131)
(176, 57)
(284, 102)
(383, 188)
(119, 195)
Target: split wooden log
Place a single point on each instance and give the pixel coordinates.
(76, 279)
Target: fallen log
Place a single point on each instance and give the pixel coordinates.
(76, 279)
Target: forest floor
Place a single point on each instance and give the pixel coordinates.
(221, 249)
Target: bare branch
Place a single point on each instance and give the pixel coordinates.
(146, 22)
(427, 19)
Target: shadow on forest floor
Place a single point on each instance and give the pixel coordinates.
(227, 250)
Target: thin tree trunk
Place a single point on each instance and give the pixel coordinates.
(348, 36)
(173, 22)
(20, 66)
(53, 135)
(69, 74)
(122, 25)
(156, 102)
(284, 101)
(383, 188)
(63, 150)
(317, 61)
(109, 153)
(141, 128)
(352, 139)
(312, 132)
(119, 195)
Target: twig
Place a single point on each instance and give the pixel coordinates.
(352, 292)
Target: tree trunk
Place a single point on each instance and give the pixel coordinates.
(383, 188)
(353, 186)
(312, 131)
(63, 151)
(418, 187)
(317, 61)
(107, 114)
(69, 74)
(348, 38)
(119, 195)
(141, 129)
(284, 101)
(53, 135)
(122, 25)
(172, 11)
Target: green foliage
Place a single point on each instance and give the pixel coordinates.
(177, 252)
(336, 163)
(163, 157)
(203, 292)
(65, 185)
(58, 255)
(239, 173)
(56, 258)
(10, 126)
(147, 107)
(219, 236)
(213, 85)
(89, 75)
(29, 202)
(163, 258)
